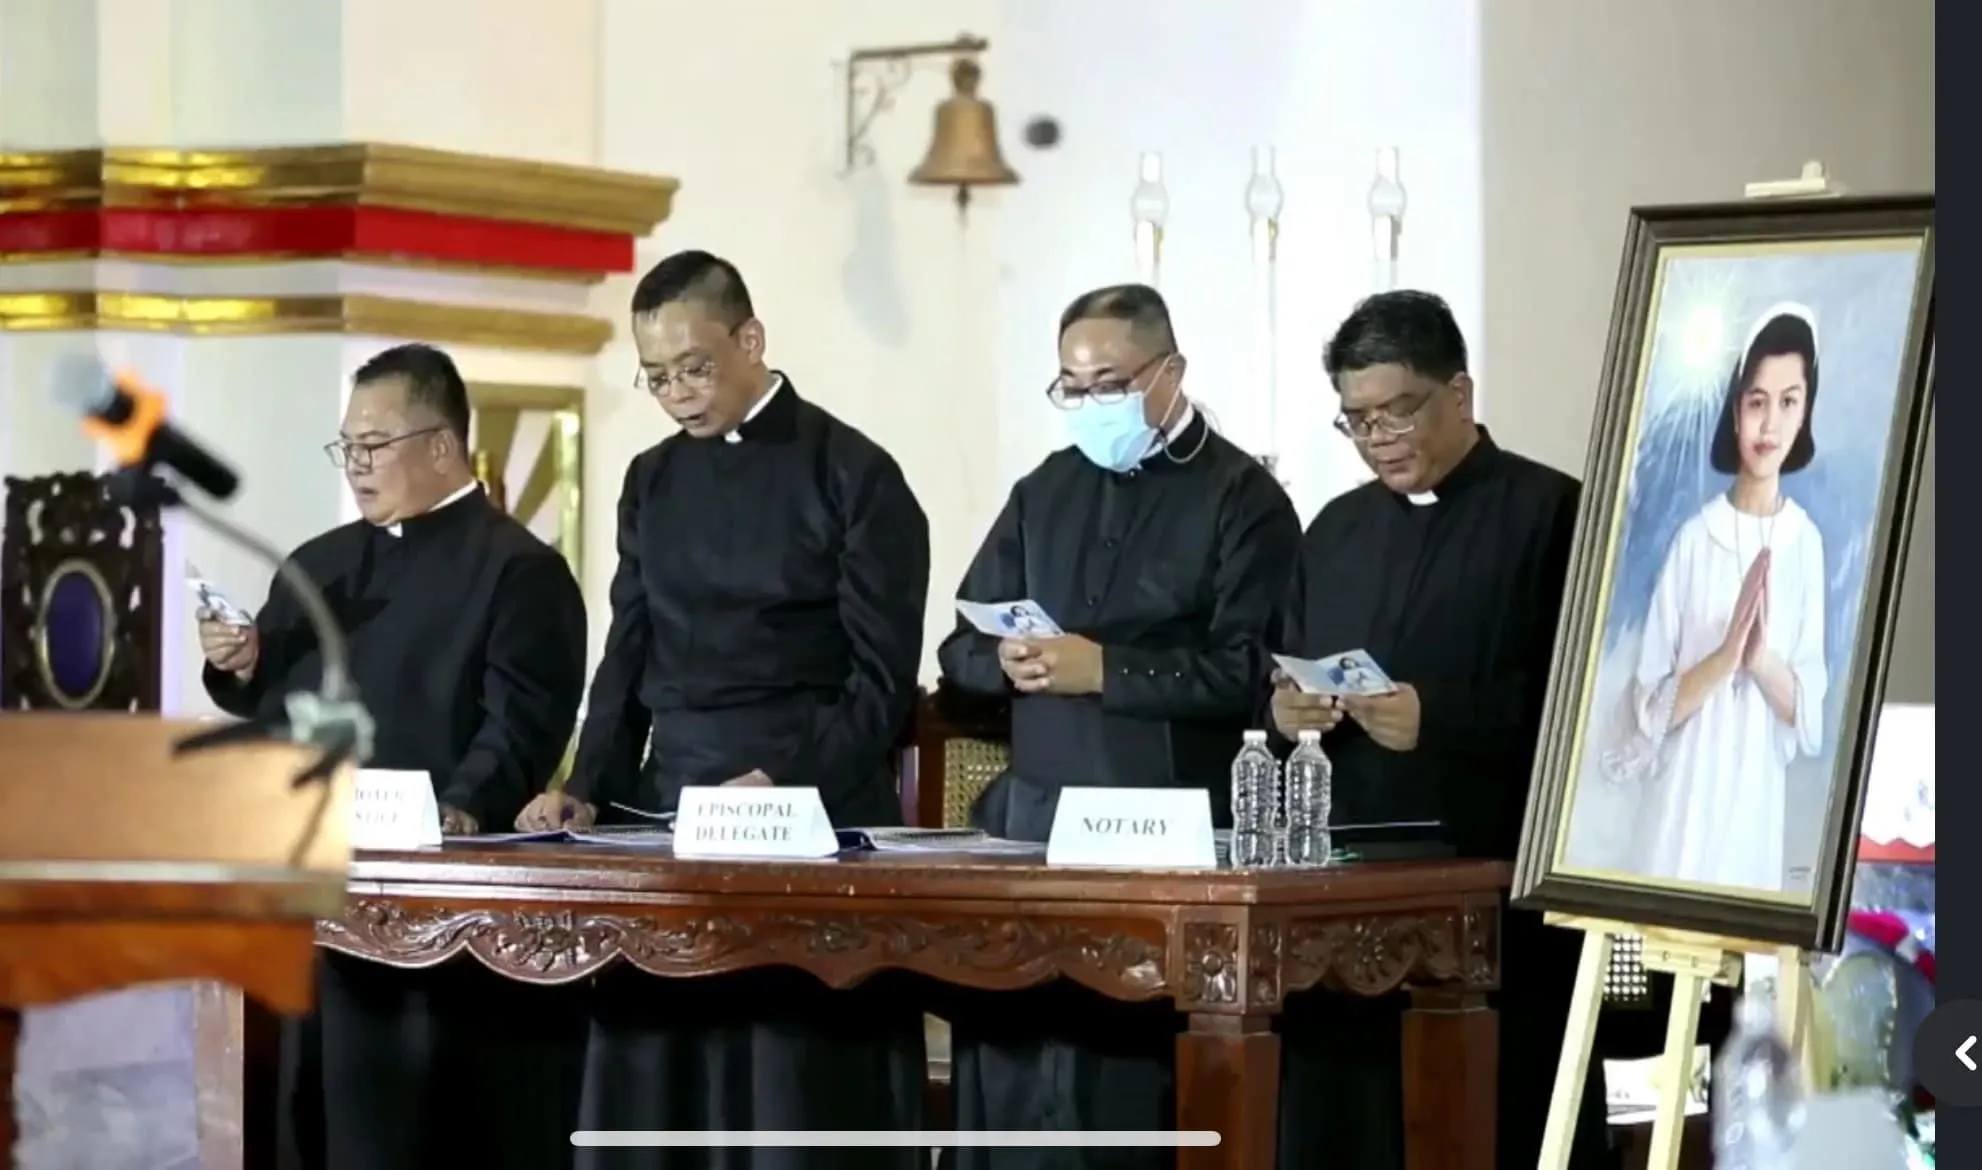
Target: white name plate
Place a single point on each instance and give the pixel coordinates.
(393, 809)
(1133, 828)
(753, 822)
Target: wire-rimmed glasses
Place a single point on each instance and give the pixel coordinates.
(1389, 420)
(698, 378)
(344, 453)
(1069, 397)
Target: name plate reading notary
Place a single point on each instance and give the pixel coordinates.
(393, 809)
(753, 822)
(1133, 828)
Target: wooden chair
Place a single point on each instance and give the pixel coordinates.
(79, 598)
(950, 753)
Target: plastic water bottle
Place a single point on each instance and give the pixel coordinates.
(1758, 1098)
(1255, 793)
(1309, 799)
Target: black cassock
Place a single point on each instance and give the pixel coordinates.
(467, 643)
(1174, 569)
(1457, 595)
(766, 615)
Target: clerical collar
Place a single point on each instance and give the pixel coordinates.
(736, 433)
(1472, 467)
(1184, 437)
(1178, 428)
(452, 499)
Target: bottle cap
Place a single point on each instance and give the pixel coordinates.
(1253, 737)
(1755, 1013)
(1310, 736)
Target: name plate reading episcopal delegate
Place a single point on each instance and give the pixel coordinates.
(753, 822)
(1133, 828)
(392, 809)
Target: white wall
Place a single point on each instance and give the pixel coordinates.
(876, 299)
(938, 336)
(1590, 109)
(517, 78)
(1203, 84)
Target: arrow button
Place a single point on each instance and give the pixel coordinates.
(1947, 1053)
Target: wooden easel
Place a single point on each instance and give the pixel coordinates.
(1694, 961)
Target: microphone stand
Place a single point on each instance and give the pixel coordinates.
(331, 719)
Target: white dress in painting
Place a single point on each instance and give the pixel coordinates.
(1713, 810)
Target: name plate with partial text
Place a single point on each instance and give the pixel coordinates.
(753, 822)
(394, 809)
(1133, 828)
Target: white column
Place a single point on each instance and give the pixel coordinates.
(48, 79)
(516, 82)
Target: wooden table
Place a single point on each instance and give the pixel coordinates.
(1224, 947)
(151, 866)
(69, 929)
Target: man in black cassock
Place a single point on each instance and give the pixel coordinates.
(1449, 569)
(1162, 550)
(766, 630)
(467, 645)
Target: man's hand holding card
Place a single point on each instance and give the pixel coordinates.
(1349, 673)
(213, 604)
(1317, 692)
(1010, 619)
(1036, 655)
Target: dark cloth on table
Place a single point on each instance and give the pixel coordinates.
(767, 615)
(467, 644)
(1459, 598)
(1174, 568)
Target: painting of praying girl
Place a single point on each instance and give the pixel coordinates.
(1729, 685)
(1750, 483)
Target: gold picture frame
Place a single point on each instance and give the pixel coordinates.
(528, 446)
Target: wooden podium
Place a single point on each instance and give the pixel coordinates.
(122, 865)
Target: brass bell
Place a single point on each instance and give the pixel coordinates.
(964, 151)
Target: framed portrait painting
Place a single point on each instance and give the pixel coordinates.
(1763, 416)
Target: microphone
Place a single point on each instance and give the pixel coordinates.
(333, 718)
(127, 416)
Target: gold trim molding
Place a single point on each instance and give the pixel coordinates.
(368, 259)
(360, 314)
(368, 174)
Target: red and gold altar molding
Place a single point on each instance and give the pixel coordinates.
(361, 203)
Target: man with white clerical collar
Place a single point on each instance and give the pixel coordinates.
(466, 635)
(1161, 549)
(766, 631)
(1449, 569)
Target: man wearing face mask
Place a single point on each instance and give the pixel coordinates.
(766, 630)
(1161, 549)
(467, 642)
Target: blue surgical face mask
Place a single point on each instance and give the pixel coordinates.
(1113, 435)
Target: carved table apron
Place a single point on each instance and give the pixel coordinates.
(1225, 947)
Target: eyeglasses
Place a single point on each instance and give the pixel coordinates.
(1390, 420)
(359, 456)
(699, 378)
(1113, 390)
